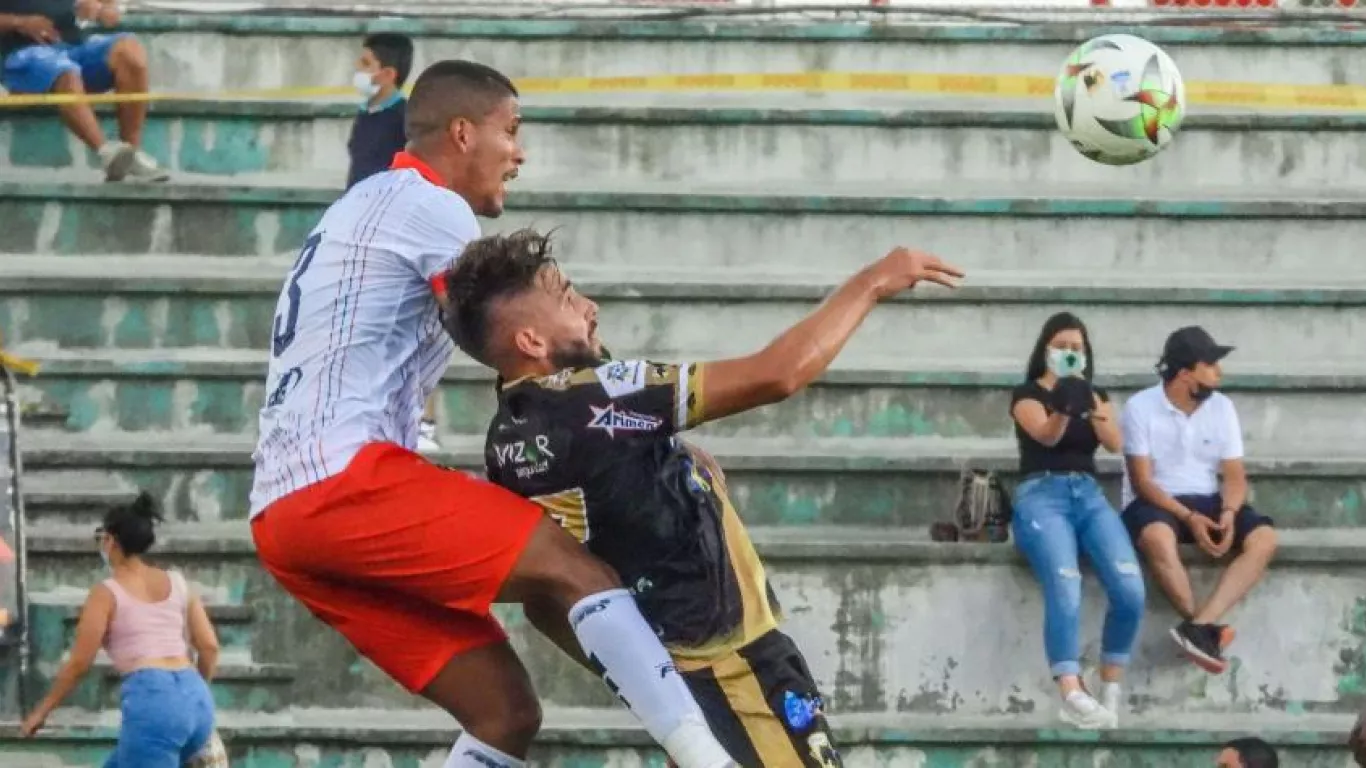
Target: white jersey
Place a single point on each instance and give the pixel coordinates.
(357, 344)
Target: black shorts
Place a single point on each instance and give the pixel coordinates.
(1140, 514)
(762, 705)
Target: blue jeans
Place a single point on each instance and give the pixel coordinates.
(35, 69)
(1054, 514)
(167, 719)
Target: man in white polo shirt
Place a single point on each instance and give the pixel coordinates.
(1185, 483)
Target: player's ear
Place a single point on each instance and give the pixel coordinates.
(531, 344)
(462, 133)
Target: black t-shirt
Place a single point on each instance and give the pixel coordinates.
(61, 12)
(1075, 452)
(597, 449)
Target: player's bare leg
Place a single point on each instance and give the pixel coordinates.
(501, 719)
(555, 570)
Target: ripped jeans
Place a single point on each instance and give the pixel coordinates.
(1057, 513)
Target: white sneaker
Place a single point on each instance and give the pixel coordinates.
(1084, 712)
(426, 438)
(145, 168)
(1112, 698)
(117, 159)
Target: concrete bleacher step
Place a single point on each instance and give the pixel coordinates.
(858, 600)
(834, 229)
(935, 141)
(209, 52)
(74, 496)
(222, 391)
(231, 304)
(599, 738)
(784, 481)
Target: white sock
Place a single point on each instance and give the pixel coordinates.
(470, 752)
(1112, 696)
(637, 668)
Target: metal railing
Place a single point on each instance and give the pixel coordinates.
(13, 550)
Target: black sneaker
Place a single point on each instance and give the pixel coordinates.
(1200, 642)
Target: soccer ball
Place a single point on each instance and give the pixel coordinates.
(1119, 99)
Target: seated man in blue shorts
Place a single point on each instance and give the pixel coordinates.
(1185, 484)
(44, 49)
(595, 444)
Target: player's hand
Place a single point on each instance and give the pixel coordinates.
(903, 268)
(1202, 530)
(39, 29)
(32, 724)
(1225, 529)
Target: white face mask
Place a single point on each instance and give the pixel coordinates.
(1065, 362)
(364, 83)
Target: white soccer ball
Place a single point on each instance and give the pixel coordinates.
(1119, 99)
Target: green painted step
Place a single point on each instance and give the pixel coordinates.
(1005, 142)
(599, 739)
(891, 482)
(725, 313)
(217, 51)
(223, 391)
(858, 601)
(1243, 232)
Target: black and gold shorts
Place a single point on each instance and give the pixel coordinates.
(762, 704)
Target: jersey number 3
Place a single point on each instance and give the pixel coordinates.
(282, 334)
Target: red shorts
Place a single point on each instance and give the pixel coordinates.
(402, 557)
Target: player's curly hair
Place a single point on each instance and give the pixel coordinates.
(490, 270)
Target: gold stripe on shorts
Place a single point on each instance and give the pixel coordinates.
(746, 698)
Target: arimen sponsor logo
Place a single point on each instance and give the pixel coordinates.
(610, 420)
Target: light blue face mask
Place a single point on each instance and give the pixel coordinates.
(1065, 362)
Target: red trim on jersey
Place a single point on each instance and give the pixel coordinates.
(438, 283)
(406, 159)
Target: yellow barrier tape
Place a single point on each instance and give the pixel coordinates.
(26, 367)
(1229, 94)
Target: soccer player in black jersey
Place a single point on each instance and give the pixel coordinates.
(595, 443)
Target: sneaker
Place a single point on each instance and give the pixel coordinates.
(426, 437)
(1200, 642)
(1083, 711)
(1112, 698)
(117, 160)
(145, 168)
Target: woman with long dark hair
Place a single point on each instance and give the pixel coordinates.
(1060, 510)
(142, 616)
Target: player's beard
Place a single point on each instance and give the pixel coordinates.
(578, 354)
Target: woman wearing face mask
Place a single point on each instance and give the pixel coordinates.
(1059, 510)
(141, 615)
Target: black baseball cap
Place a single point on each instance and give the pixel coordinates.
(1188, 346)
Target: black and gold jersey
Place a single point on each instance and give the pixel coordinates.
(598, 450)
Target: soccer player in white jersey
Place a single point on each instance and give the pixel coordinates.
(400, 556)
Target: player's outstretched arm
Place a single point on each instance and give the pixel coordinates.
(803, 352)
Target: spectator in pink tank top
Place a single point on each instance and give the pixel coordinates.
(142, 617)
